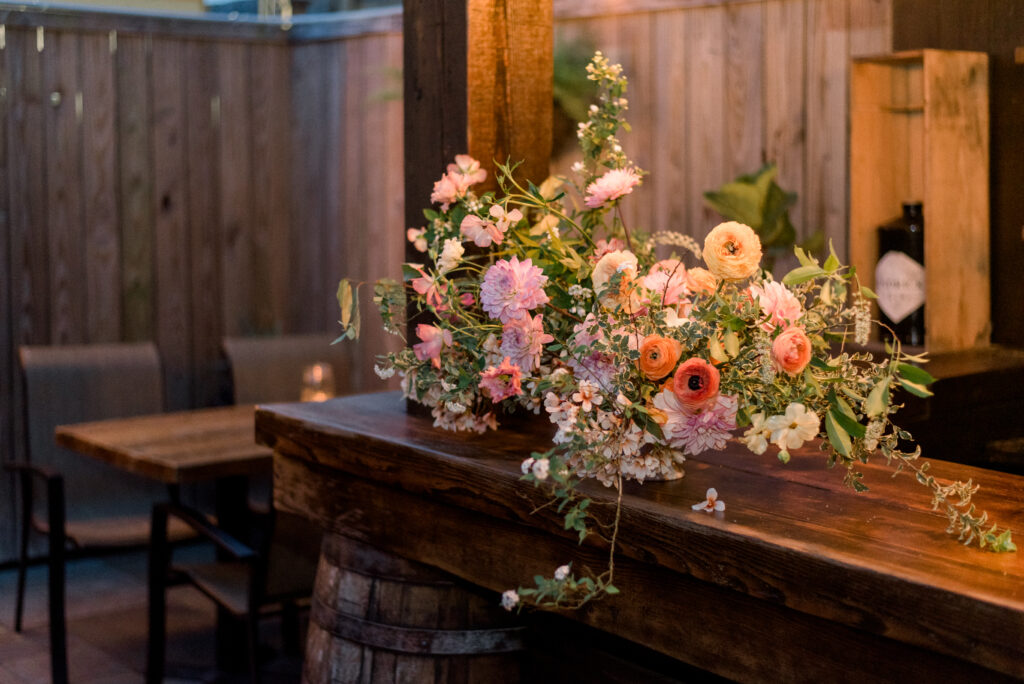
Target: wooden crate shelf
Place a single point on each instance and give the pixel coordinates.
(919, 129)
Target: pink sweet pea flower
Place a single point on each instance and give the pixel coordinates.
(434, 340)
(481, 232)
(446, 192)
(612, 185)
(501, 382)
(430, 289)
(469, 170)
(504, 219)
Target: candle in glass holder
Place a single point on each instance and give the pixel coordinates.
(317, 382)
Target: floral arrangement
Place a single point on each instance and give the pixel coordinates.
(640, 349)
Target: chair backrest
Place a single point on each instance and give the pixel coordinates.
(269, 369)
(72, 384)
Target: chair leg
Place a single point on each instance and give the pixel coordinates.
(57, 544)
(158, 562)
(290, 629)
(26, 530)
(252, 621)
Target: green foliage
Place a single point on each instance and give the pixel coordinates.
(758, 201)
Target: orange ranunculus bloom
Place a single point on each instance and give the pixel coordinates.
(732, 251)
(658, 356)
(791, 350)
(696, 384)
(701, 280)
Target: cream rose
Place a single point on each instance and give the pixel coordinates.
(732, 251)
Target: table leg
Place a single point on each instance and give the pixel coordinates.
(231, 506)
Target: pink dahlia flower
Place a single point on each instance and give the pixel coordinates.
(611, 186)
(511, 288)
(501, 382)
(778, 303)
(523, 340)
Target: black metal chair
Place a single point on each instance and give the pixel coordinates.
(65, 496)
(272, 571)
(269, 574)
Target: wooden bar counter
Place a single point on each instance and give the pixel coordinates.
(799, 579)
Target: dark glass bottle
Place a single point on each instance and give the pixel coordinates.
(900, 277)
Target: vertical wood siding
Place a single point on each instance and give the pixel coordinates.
(174, 187)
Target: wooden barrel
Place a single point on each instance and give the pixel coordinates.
(376, 617)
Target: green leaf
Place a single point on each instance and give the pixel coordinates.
(914, 388)
(914, 374)
(878, 399)
(832, 263)
(803, 257)
(837, 436)
(732, 344)
(738, 202)
(802, 274)
(611, 589)
(848, 423)
(866, 291)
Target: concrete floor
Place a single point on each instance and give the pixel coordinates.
(106, 624)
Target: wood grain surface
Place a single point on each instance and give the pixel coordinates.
(176, 448)
(816, 576)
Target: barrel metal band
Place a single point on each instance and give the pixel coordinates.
(416, 640)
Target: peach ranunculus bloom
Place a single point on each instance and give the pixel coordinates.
(732, 251)
(619, 261)
(791, 350)
(611, 186)
(701, 280)
(658, 356)
(695, 384)
(776, 302)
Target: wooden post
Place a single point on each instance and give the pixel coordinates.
(478, 79)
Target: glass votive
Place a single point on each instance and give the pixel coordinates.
(317, 382)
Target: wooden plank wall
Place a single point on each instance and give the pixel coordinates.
(186, 186)
(718, 88)
(175, 189)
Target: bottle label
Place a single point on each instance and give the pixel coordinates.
(899, 284)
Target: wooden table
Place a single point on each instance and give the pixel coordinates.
(186, 447)
(800, 579)
(176, 448)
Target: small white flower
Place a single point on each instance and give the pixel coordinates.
(756, 438)
(509, 599)
(711, 504)
(384, 372)
(578, 167)
(593, 109)
(455, 407)
(588, 395)
(561, 572)
(541, 468)
(526, 465)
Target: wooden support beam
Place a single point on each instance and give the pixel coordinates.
(477, 79)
